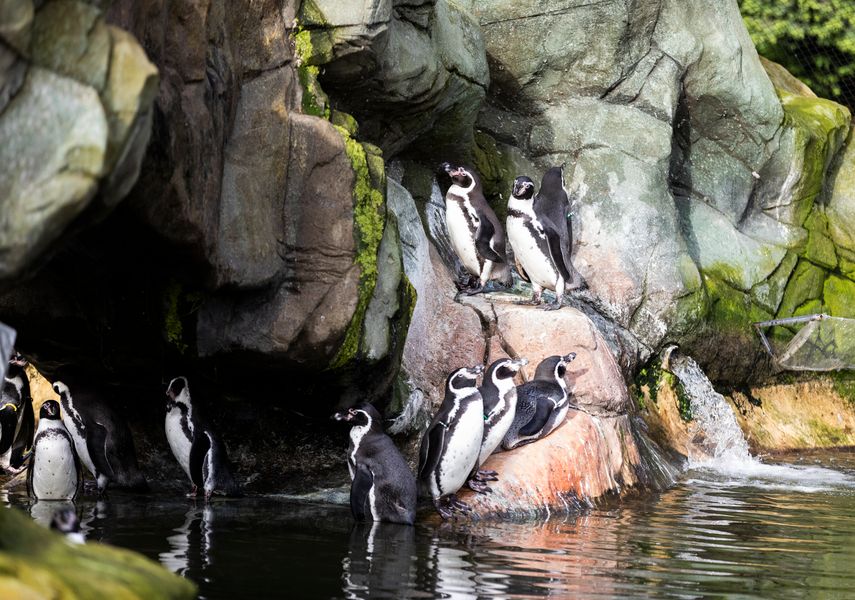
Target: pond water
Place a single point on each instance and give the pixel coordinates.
(747, 531)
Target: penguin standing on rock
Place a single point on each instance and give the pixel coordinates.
(383, 487)
(540, 235)
(197, 448)
(452, 443)
(17, 419)
(54, 471)
(102, 439)
(542, 403)
(475, 231)
(499, 393)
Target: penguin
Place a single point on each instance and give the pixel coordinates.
(54, 471)
(102, 439)
(195, 445)
(450, 447)
(383, 488)
(541, 246)
(542, 403)
(475, 231)
(65, 521)
(499, 394)
(17, 419)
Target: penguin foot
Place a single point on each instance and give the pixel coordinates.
(459, 505)
(553, 305)
(192, 493)
(486, 475)
(474, 290)
(476, 485)
(532, 302)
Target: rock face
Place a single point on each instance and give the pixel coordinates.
(79, 155)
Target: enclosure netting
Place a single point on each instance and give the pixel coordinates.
(810, 343)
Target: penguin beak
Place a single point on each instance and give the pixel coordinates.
(478, 370)
(446, 167)
(343, 415)
(569, 358)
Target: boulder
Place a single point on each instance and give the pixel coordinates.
(75, 115)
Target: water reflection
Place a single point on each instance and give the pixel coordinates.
(381, 559)
(42, 511)
(190, 545)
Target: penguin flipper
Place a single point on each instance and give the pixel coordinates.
(30, 469)
(483, 236)
(96, 443)
(198, 453)
(363, 481)
(78, 467)
(538, 421)
(8, 423)
(431, 449)
(559, 248)
(24, 439)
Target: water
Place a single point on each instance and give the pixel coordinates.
(782, 531)
(732, 527)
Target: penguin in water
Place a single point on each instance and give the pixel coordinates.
(475, 231)
(542, 403)
(383, 487)
(542, 245)
(54, 471)
(499, 393)
(17, 419)
(195, 445)
(102, 439)
(452, 443)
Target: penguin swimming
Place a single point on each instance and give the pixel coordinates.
(542, 403)
(195, 445)
(499, 393)
(17, 419)
(542, 245)
(54, 472)
(452, 443)
(102, 439)
(475, 231)
(383, 488)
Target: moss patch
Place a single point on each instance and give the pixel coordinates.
(819, 249)
(805, 285)
(369, 218)
(839, 296)
(179, 305)
(37, 563)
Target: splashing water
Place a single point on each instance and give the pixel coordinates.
(719, 446)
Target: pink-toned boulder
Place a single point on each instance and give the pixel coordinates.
(595, 452)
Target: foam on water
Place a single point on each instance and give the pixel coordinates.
(722, 451)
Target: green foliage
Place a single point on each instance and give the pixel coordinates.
(178, 304)
(813, 39)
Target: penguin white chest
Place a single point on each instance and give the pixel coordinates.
(497, 430)
(54, 472)
(462, 448)
(461, 235)
(532, 253)
(179, 443)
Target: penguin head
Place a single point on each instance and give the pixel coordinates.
(65, 521)
(505, 369)
(360, 415)
(463, 379)
(460, 175)
(178, 391)
(523, 188)
(554, 367)
(61, 390)
(49, 410)
(18, 360)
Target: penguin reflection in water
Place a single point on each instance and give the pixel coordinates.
(102, 439)
(54, 471)
(450, 448)
(542, 403)
(382, 486)
(475, 232)
(541, 236)
(195, 445)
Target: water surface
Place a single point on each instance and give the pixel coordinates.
(750, 530)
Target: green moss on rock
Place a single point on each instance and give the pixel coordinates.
(820, 248)
(838, 296)
(805, 284)
(369, 220)
(731, 309)
(38, 563)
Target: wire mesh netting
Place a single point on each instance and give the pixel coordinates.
(810, 343)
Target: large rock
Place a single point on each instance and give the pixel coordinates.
(75, 116)
(692, 180)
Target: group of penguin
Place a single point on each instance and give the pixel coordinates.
(83, 429)
(538, 228)
(472, 422)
